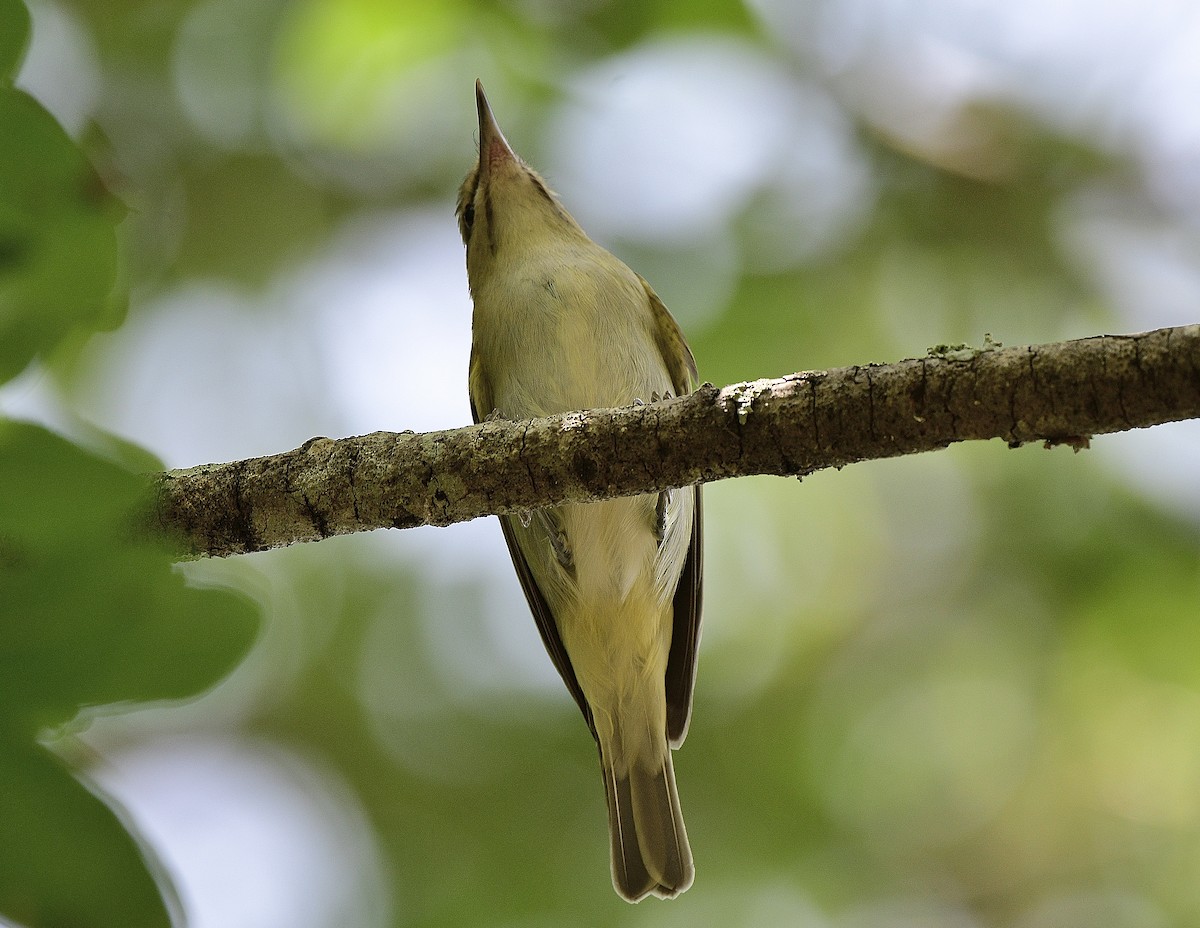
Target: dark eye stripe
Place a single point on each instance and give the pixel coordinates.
(491, 225)
(466, 206)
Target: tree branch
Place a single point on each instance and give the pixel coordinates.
(1060, 393)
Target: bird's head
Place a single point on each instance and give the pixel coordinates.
(504, 206)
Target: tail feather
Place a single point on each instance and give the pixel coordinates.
(630, 876)
(650, 852)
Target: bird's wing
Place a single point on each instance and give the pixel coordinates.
(681, 366)
(545, 619)
(543, 616)
(685, 632)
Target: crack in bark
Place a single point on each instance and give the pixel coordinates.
(521, 454)
(948, 407)
(870, 404)
(352, 480)
(244, 510)
(812, 409)
(319, 523)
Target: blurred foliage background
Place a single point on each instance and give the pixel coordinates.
(955, 690)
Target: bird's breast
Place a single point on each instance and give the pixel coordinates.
(560, 336)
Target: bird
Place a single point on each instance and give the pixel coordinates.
(560, 324)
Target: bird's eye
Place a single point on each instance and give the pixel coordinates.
(468, 216)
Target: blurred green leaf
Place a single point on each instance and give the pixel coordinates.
(14, 38)
(338, 62)
(224, 238)
(58, 245)
(623, 24)
(66, 859)
(91, 616)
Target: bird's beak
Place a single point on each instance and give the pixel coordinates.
(493, 147)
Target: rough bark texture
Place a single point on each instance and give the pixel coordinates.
(1057, 393)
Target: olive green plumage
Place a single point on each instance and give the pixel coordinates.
(561, 324)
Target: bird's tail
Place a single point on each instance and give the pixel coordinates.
(650, 852)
